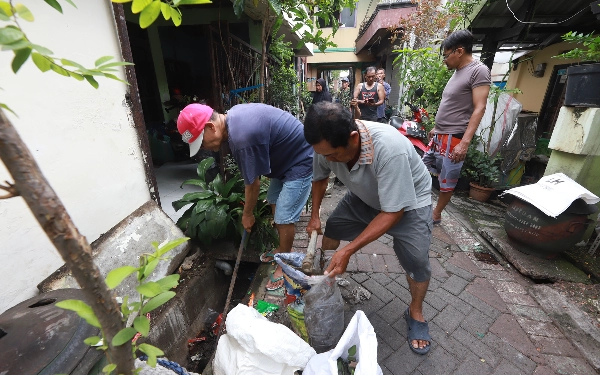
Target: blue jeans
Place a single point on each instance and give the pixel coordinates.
(289, 197)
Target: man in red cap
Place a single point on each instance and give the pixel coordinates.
(264, 141)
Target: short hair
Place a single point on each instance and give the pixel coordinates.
(381, 69)
(328, 121)
(370, 69)
(215, 116)
(459, 38)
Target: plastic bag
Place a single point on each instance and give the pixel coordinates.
(295, 281)
(359, 332)
(323, 313)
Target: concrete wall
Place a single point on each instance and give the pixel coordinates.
(534, 89)
(82, 138)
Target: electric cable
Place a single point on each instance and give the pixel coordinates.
(543, 23)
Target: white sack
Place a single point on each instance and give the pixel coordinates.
(359, 332)
(255, 346)
(507, 110)
(553, 194)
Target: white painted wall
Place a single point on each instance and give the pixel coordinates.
(83, 140)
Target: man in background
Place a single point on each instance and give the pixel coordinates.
(369, 95)
(387, 88)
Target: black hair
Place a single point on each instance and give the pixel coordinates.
(328, 121)
(370, 69)
(459, 38)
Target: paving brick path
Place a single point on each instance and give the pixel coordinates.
(481, 318)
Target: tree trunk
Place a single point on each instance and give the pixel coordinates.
(60, 229)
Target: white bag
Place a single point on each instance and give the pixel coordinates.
(255, 346)
(360, 333)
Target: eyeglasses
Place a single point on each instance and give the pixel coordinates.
(445, 56)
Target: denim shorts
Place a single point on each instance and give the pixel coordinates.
(412, 234)
(289, 197)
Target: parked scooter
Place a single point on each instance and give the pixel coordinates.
(413, 129)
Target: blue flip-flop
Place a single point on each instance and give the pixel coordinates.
(267, 254)
(274, 280)
(417, 331)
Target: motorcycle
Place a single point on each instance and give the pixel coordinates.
(413, 129)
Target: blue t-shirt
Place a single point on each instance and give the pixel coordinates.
(268, 141)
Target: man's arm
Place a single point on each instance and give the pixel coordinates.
(376, 228)
(380, 95)
(251, 197)
(318, 192)
(480, 95)
(356, 92)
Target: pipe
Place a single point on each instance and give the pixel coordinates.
(226, 267)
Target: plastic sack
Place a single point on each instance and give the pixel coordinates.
(360, 333)
(507, 111)
(296, 313)
(254, 345)
(323, 313)
(295, 281)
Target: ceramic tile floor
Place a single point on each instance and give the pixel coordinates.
(169, 177)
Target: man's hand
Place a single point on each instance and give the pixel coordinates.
(459, 153)
(339, 263)
(248, 222)
(431, 134)
(314, 224)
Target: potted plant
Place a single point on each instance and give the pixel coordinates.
(482, 169)
(583, 80)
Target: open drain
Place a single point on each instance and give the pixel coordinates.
(485, 257)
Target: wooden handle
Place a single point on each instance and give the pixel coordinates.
(307, 263)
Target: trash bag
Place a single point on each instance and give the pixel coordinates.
(295, 281)
(359, 332)
(323, 313)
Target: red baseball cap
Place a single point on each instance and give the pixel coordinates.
(190, 125)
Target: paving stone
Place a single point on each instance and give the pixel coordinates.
(529, 312)
(300, 244)
(378, 290)
(486, 292)
(508, 352)
(447, 341)
(439, 233)
(557, 346)
(381, 277)
(386, 332)
(385, 370)
(453, 301)
(437, 271)
(477, 346)
(477, 323)
(393, 264)
(455, 284)
(400, 278)
(507, 328)
(378, 263)
(543, 370)
(301, 235)
(435, 301)
(478, 304)
(452, 269)
(376, 247)
(567, 365)
(534, 327)
(473, 365)
(433, 284)
(506, 368)
(508, 287)
(402, 362)
(449, 319)
(399, 291)
(497, 275)
(370, 306)
(352, 264)
(393, 311)
(383, 350)
(438, 361)
(364, 264)
(462, 260)
(359, 277)
(518, 299)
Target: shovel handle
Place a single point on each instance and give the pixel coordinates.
(307, 263)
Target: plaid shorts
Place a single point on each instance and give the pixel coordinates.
(438, 162)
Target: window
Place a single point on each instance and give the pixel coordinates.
(346, 18)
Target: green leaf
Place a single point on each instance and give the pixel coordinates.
(116, 276)
(124, 335)
(42, 50)
(121, 1)
(4, 106)
(21, 56)
(142, 325)
(191, 2)
(238, 7)
(182, 222)
(10, 35)
(22, 43)
(59, 69)
(82, 309)
(109, 368)
(102, 60)
(72, 63)
(24, 13)
(150, 350)
(91, 341)
(171, 245)
(125, 306)
(276, 6)
(139, 5)
(157, 301)
(150, 267)
(116, 63)
(54, 4)
(73, 4)
(91, 81)
(176, 16)
(114, 77)
(6, 9)
(150, 14)
(200, 195)
(149, 289)
(203, 167)
(77, 76)
(168, 282)
(195, 181)
(42, 62)
(165, 9)
(203, 205)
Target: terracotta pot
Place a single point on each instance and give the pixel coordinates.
(480, 193)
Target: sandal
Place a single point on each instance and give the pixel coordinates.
(263, 257)
(417, 331)
(273, 281)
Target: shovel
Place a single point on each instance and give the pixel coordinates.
(309, 259)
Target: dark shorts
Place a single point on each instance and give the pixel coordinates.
(412, 234)
(438, 162)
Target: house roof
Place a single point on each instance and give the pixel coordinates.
(531, 24)
(376, 28)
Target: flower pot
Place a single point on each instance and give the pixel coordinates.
(582, 86)
(480, 193)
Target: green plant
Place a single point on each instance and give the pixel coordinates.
(282, 89)
(480, 167)
(591, 53)
(152, 294)
(216, 210)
